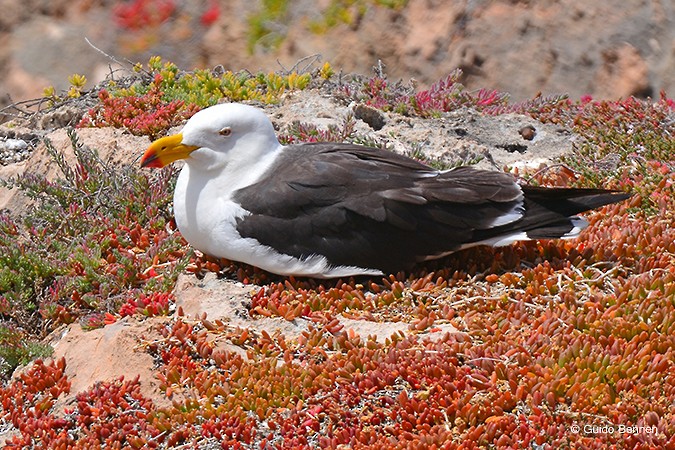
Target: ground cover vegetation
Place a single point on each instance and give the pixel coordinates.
(552, 335)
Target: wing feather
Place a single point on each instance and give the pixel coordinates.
(361, 206)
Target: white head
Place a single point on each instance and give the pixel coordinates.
(216, 137)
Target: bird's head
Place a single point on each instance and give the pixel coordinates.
(215, 137)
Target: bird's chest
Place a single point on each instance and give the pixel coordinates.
(206, 215)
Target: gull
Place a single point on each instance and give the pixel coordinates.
(328, 210)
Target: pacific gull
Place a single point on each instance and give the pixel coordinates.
(335, 209)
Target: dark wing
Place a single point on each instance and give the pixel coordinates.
(372, 208)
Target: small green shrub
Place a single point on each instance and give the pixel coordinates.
(16, 348)
(447, 94)
(96, 238)
(163, 96)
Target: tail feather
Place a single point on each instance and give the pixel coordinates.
(568, 202)
(550, 213)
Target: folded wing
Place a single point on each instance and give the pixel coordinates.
(365, 207)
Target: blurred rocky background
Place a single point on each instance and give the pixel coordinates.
(607, 49)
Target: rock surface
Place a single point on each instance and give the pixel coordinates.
(604, 49)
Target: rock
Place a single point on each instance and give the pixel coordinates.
(374, 118)
(528, 132)
(623, 73)
(13, 151)
(227, 300)
(604, 49)
(60, 118)
(106, 354)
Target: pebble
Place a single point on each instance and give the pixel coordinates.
(13, 151)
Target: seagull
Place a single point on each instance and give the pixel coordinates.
(328, 210)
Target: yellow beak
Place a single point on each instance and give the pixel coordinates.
(166, 150)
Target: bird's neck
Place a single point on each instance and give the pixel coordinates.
(242, 168)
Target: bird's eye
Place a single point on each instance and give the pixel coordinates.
(225, 131)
